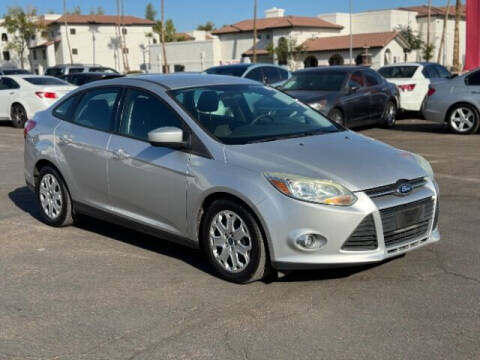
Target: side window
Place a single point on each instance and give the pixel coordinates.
(473, 79)
(75, 70)
(283, 74)
(272, 74)
(356, 79)
(444, 73)
(62, 110)
(371, 78)
(256, 74)
(8, 84)
(429, 72)
(143, 113)
(96, 109)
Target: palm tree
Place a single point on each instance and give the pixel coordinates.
(456, 41)
(162, 37)
(442, 40)
(254, 57)
(66, 30)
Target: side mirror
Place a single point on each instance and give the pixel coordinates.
(169, 136)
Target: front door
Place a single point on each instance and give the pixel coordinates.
(147, 183)
(81, 146)
(357, 100)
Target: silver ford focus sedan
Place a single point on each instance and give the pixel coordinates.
(254, 178)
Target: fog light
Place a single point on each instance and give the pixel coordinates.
(311, 241)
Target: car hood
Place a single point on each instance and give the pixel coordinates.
(309, 97)
(355, 161)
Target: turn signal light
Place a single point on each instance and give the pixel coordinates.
(46, 94)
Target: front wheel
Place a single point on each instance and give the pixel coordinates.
(390, 115)
(463, 119)
(232, 240)
(18, 115)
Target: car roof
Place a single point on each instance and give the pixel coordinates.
(179, 80)
(19, 76)
(345, 68)
(419, 63)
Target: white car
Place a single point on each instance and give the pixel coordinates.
(21, 96)
(413, 81)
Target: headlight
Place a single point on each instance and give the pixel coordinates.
(425, 165)
(319, 105)
(312, 190)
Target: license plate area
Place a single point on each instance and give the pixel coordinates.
(409, 217)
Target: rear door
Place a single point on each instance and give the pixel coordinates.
(81, 145)
(357, 102)
(147, 183)
(378, 94)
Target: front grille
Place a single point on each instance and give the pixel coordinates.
(391, 189)
(406, 222)
(363, 238)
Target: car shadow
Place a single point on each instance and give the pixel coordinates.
(25, 200)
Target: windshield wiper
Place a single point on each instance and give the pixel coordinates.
(288, 136)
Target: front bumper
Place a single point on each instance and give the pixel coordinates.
(336, 225)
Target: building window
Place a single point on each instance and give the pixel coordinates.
(267, 36)
(154, 40)
(4, 37)
(259, 36)
(336, 59)
(33, 37)
(44, 54)
(178, 68)
(34, 54)
(310, 61)
(44, 34)
(6, 55)
(73, 31)
(74, 51)
(387, 59)
(124, 31)
(125, 50)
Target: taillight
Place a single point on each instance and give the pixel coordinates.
(29, 125)
(46, 94)
(407, 87)
(431, 91)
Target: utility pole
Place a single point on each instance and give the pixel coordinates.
(162, 37)
(442, 40)
(66, 30)
(456, 41)
(351, 35)
(254, 58)
(429, 19)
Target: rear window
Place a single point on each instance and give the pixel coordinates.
(227, 70)
(44, 81)
(398, 71)
(15, 71)
(54, 71)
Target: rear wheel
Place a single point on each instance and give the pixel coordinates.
(233, 242)
(337, 115)
(390, 115)
(18, 115)
(463, 119)
(53, 198)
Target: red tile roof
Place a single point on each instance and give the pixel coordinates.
(277, 23)
(371, 40)
(422, 10)
(102, 19)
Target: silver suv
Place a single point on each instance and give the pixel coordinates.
(251, 176)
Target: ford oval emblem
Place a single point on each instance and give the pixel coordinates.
(404, 189)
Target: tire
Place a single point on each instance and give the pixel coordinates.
(53, 198)
(389, 117)
(18, 116)
(463, 119)
(337, 115)
(245, 258)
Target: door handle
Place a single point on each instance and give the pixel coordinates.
(120, 154)
(65, 139)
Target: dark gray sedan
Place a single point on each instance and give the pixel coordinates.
(350, 95)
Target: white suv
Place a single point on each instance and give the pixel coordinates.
(413, 81)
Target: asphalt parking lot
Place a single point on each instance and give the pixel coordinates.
(97, 291)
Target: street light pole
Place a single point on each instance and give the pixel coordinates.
(351, 34)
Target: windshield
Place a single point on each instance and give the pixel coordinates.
(240, 114)
(316, 81)
(228, 70)
(390, 72)
(44, 81)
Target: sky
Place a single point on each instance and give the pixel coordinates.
(187, 14)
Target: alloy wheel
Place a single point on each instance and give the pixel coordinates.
(51, 196)
(230, 241)
(18, 115)
(391, 114)
(462, 119)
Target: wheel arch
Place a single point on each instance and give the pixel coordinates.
(40, 164)
(18, 102)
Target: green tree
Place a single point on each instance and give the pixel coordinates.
(208, 26)
(413, 40)
(170, 30)
(75, 11)
(286, 50)
(98, 11)
(20, 24)
(427, 51)
(150, 12)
